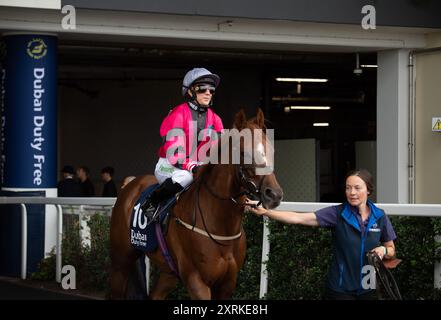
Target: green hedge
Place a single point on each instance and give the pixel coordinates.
(299, 259)
(91, 263)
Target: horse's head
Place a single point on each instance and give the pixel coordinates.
(255, 165)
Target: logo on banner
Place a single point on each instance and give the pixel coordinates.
(36, 48)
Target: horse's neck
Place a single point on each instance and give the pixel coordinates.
(223, 216)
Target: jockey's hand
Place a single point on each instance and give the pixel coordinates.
(251, 206)
(191, 166)
(195, 169)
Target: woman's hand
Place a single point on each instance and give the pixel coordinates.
(250, 206)
(380, 251)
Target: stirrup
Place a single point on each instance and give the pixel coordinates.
(151, 213)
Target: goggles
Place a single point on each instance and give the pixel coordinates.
(202, 88)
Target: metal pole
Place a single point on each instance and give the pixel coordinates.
(265, 255)
(411, 142)
(58, 246)
(147, 274)
(24, 240)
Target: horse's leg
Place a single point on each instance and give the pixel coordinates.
(166, 282)
(197, 289)
(118, 283)
(123, 258)
(225, 290)
(136, 285)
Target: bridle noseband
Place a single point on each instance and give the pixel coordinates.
(251, 189)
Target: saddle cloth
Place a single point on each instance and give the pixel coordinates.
(143, 236)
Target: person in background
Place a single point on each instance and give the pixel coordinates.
(87, 188)
(109, 189)
(68, 186)
(358, 227)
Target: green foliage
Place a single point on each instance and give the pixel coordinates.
(96, 257)
(248, 280)
(298, 262)
(415, 245)
(297, 267)
(46, 268)
(91, 263)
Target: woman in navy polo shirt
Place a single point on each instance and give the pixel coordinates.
(358, 226)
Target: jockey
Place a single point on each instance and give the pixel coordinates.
(187, 128)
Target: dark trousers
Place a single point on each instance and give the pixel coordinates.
(334, 295)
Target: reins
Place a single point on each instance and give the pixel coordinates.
(386, 278)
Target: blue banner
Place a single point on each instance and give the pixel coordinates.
(29, 115)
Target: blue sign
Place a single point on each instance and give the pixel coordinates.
(29, 115)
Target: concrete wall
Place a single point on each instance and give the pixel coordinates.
(389, 13)
(299, 175)
(428, 143)
(366, 158)
(392, 126)
(434, 40)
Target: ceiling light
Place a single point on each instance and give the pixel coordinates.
(301, 80)
(357, 71)
(310, 107)
(321, 124)
(369, 66)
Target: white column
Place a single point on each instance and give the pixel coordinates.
(392, 126)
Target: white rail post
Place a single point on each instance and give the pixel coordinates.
(147, 274)
(59, 241)
(83, 219)
(24, 240)
(437, 268)
(265, 257)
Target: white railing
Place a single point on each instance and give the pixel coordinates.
(415, 210)
(59, 232)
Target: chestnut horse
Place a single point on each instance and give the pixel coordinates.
(208, 257)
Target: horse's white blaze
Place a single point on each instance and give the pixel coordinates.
(261, 152)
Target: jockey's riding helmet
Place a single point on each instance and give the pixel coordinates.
(199, 75)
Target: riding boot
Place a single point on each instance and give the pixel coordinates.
(167, 189)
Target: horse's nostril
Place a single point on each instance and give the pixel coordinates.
(270, 194)
(273, 195)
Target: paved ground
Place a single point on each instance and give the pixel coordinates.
(16, 289)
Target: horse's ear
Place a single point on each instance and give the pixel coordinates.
(240, 120)
(260, 118)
